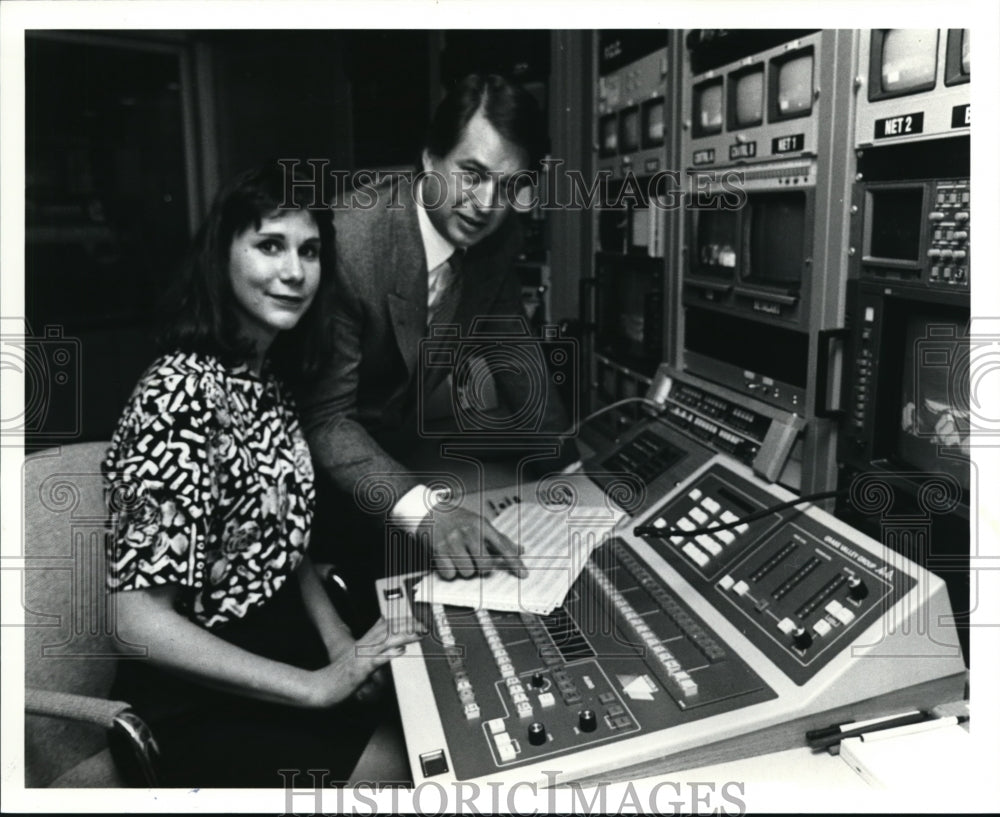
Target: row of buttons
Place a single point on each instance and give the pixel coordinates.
(566, 686)
(953, 275)
(615, 714)
(463, 686)
(694, 631)
(507, 747)
(547, 651)
(681, 682)
(952, 197)
(502, 658)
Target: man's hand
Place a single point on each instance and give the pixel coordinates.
(464, 544)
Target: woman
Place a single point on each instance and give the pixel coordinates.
(249, 668)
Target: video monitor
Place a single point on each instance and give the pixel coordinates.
(791, 85)
(716, 243)
(707, 104)
(608, 136)
(957, 57)
(628, 130)
(893, 221)
(776, 239)
(653, 126)
(934, 425)
(746, 98)
(903, 61)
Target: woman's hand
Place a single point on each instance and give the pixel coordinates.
(349, 669)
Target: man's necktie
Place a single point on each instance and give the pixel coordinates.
(444, 290)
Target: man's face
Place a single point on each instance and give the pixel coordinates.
(473, 202)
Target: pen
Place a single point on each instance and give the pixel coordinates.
(825, 737)
(913, 728)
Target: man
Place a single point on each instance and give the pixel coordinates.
(438, 249)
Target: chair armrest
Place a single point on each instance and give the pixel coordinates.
(66, 705)
(115, 716)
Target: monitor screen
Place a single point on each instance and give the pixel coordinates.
(609, 135)
(794, 86)
(717, 242)
(653, 130)
(772, 351)
(628, 137)
(908, 60)
(708, 108)
(776, 239)
(934, 426)
(894, 222)
(748, 90)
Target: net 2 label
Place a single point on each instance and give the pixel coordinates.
(904, 125)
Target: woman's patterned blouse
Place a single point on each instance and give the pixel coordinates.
(211, 487)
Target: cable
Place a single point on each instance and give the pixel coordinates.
(618, 404)
(669, 533)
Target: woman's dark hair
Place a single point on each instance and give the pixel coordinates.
(201, 314)
(507, 106)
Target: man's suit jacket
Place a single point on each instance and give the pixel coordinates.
(364, 403)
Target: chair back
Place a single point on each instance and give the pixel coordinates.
(70, 642)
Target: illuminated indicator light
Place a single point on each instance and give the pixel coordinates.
(698, 515)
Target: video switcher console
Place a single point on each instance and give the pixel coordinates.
(672, 642)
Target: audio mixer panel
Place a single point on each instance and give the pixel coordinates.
(668, 645)
(791, 586)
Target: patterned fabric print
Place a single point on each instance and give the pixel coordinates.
(211, 487)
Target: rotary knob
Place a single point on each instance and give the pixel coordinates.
(588, 720)
(538, 680)
(802, 639)
(856, 588)
(536, 734)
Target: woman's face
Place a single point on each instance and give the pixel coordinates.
(274, 271)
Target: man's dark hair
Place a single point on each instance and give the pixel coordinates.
(201, 313)
(507, 106)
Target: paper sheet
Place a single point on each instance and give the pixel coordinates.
(556, 543)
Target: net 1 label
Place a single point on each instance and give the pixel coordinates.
(788, 144)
